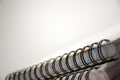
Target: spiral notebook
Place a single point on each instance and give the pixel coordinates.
(83, 58)
(107, 71)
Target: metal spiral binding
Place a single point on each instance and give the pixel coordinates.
(78, 74)
(67, 62)
(36, 73)
(60, 64)
(74, 58)
(60, 58)
(53, 65)
(82, 57)
(46, 69)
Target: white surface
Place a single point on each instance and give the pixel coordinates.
(32, 31)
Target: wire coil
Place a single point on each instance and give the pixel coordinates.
(77, 75)
(45, 73)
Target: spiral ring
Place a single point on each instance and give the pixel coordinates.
(46, 69)
(67, 62)
(74, 59)
(30, 73)
(82, 56)
(100, 50)
(53, 65)
(41, 71)
(89, 48)
(90, 53)
(24, 75)
(36, 73)
(60, 63)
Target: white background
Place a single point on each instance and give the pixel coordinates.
(32, 31)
